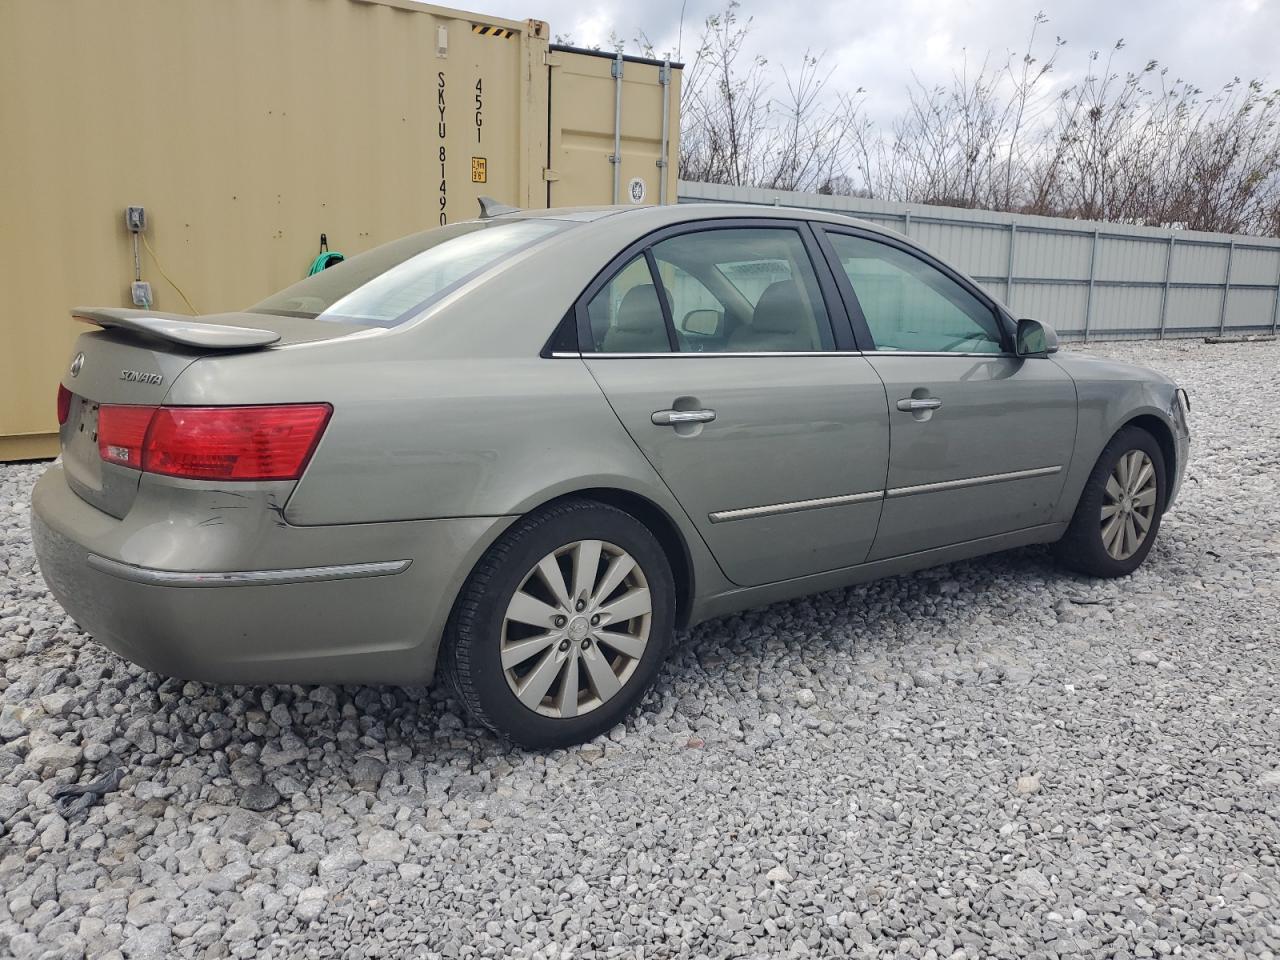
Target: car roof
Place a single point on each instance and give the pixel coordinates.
(653, 216)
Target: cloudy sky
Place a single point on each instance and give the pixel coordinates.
(878, 44)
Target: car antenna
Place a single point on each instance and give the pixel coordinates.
(490, 208)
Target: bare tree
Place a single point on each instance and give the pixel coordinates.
(734, 130)
(1135, 147)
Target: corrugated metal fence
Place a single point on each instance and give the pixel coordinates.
(1087, 279)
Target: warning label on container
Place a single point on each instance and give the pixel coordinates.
(479, 170)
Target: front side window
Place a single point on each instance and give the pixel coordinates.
(912, 306)
(392, 283)
(743, 290)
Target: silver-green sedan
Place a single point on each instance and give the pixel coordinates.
(526, 449)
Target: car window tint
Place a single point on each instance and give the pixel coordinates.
(626, 316)
(391, 283)
(758, 281)
(912, 306)
(752, 278)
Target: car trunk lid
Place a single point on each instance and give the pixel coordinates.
(133, 361)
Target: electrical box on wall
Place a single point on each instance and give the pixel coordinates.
(135, 218)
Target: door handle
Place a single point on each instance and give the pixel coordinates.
(913, 404)
(671, 418)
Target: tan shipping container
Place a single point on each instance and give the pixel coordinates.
(247, 128)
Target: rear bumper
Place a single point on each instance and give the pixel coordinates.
(244, 578)
(250, 599)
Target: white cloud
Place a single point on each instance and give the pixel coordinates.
(880, 44)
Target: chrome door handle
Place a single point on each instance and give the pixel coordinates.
(670, 418)
(911, 404)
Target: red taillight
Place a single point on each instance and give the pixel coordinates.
(64, 404)
(234, 443)
(121, 432)
(213, 443)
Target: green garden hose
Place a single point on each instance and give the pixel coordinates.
(326, 259)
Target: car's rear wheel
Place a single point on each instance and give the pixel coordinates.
(1118, 516)
(563, 625)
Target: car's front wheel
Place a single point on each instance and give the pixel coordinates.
(1118, 516)
(563, 625)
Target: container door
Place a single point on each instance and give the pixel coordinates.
(583, 98)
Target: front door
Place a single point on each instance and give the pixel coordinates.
(715, 349)
(980, 439)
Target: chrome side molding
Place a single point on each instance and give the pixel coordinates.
(794, 506)
(244, 578)
(972, 481)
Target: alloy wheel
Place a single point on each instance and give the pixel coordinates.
(576, 628)
(1128, 505)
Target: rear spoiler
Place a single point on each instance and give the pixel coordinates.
(177, 328)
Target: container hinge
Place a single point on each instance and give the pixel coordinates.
(549, 59)
(660, 162)
(549, 175)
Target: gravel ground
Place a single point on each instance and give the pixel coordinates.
(992, 759)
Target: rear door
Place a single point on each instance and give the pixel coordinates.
(714, 345)
(980, 438)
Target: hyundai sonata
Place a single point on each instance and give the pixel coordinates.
(524, 450)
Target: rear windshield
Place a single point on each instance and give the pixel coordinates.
(391, 283)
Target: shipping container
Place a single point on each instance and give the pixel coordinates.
(247, 129)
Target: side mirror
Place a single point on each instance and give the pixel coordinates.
(704, 323)
(1036, 339)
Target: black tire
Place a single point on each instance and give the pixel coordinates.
(472, 655)
(1081, 547)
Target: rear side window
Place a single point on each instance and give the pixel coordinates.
(727, 289)
(626, 316)
(743, 290)
(392, 283)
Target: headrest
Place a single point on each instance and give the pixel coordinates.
(779, 309)
(639, 309)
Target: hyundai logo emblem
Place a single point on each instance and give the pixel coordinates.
(76, 364)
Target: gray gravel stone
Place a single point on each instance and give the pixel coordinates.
(52, 757)
(367, 772)
(260, 796)
(1028, 784)
(385, 845)
(996, 759)
(139, 734)
(152, 942)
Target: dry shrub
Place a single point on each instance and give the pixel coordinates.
(1136, 147)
